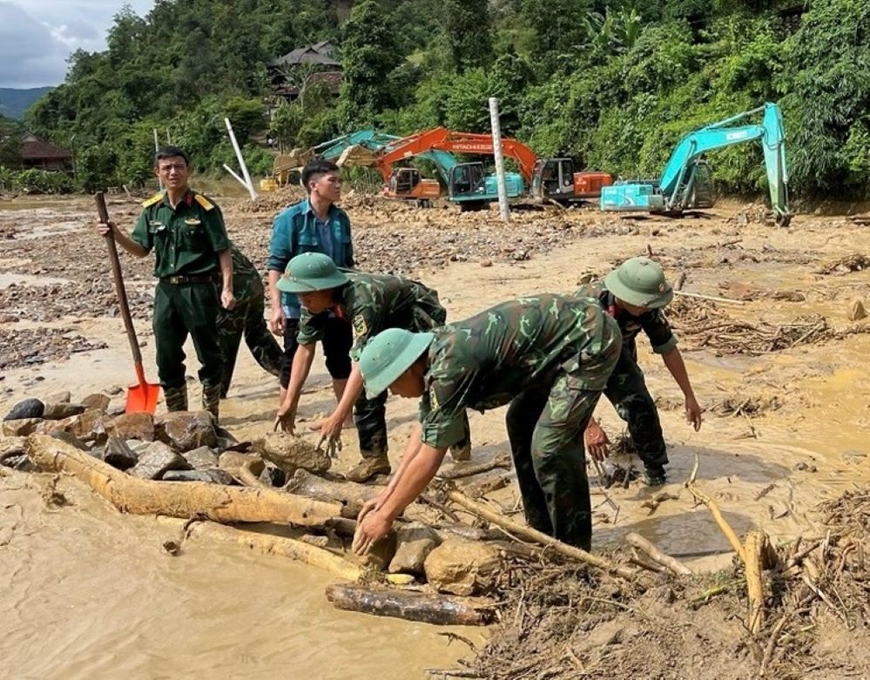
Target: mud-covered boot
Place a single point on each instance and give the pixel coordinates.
(176, 398)
(369, 467)
(211, 399)
(655, 475)
(461, 452)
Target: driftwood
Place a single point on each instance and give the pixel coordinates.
(191, 499)
(672, 564)
(281, 546)
(755, 549)
(536, 536)
(711, 298)
(461, 470)
(350, 495)
(442, 610)
(247, 476)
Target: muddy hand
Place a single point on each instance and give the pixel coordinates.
(693, 414)
(333, 444)
(286, 421)
(596, 440)
(369, 531)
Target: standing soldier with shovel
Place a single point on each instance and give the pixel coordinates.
(192, 259)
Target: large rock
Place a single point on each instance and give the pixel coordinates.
(89, 425)
(414, 542)
(214, 476)
(11, 447)
(20, 427)
(97, 401)
(462, 567)
(58, 398)
(156, 460)
(118, 454)
(29, 408)
(856, 311)
(187, 430)
(62, 409)
(71, 439)
(291, 452)
(132, 426)
(202, 458)
(231, 461)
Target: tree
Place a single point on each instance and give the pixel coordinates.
(469, 33)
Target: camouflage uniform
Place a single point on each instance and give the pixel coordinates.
(247, 319)
(550, 358)
(627, 389)
(186, 241)
(373, 303)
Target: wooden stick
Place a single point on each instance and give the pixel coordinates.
(536, 536)
(721, 522)
(282, 546)
(442, 610)
(712, 298)
(190, 499)
(756, 546)
(657, 555)
(460, 471)
(247, 477)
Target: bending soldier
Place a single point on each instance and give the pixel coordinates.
(247, 319)
(635, 294)
(372, 303)
(548, 356)
(195, 277)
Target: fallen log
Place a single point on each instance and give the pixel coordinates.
(530, 534)
(651, 551)
(282, 546)
(350, 495)
(443, 610)
(188, 500)
(755, 549)
(247, 476)
(460, 470)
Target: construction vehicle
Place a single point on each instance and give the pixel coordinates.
(469, 184)
(686, 182)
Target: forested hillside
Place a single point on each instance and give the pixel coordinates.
(614, 84)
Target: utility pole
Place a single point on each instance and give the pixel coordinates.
(503, 208)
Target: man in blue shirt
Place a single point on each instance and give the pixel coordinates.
(313, 225)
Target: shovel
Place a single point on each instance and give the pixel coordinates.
(143, 396)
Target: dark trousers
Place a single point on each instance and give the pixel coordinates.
(247, 320)
(179, 310)
(627, 391)
(545, 426)
(337, 341)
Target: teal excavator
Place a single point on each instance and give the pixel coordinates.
(685, 183)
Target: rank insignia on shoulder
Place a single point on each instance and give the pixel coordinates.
(192, 222)
(360, 327)
(203, 201)
(433, 400)
(156, 198)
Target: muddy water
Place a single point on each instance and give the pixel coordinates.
(91, 593)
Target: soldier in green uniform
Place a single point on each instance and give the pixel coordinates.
(371, 303)
(195, 277)
(635, 294)
(247, 319)
(548, 356)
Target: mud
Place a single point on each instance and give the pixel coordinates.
(784, 429)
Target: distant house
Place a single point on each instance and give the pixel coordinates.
(42, 155)
(303, 67)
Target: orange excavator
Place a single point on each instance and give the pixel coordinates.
(472, 187)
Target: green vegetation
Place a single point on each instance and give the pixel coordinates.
(614, 84)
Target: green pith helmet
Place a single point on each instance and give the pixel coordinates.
(310, 272)
(389, 354)
(640, 281)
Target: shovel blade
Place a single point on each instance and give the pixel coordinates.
(142, 397)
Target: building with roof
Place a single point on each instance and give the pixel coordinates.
(42, 155)
(303, 67)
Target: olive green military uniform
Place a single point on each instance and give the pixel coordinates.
(186, 241)
(627, 389)
(373, 303)
(548, 356)
(247, 319)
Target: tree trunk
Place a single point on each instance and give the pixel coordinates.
(350, 495)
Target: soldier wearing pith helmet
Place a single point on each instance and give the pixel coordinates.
(635, 293)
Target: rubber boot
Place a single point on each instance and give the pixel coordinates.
(655, 475)
(461, 452)
(176, 398)
(370, 466)
(211, 399)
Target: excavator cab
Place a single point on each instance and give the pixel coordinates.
(466, 179)
(702, 194)
(554, 179)
(404, 180)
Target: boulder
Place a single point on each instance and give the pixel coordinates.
(61, 409)
(291, 452)
(29, 408)
(273, 476)
(71, 439)
(187, 430)
(414, 542)
(118, 454)
(157, 459)
(97, 401)
(231, 461)
(462, 567)
(58, 398)
(11, 446)
(132, 426)
(202, 458)
(20, 427)
(89, 426)
(213, 476)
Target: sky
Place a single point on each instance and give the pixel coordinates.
(37, 36)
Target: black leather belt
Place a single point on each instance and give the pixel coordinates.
(204, 278)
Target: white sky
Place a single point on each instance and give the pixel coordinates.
(37, 36)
